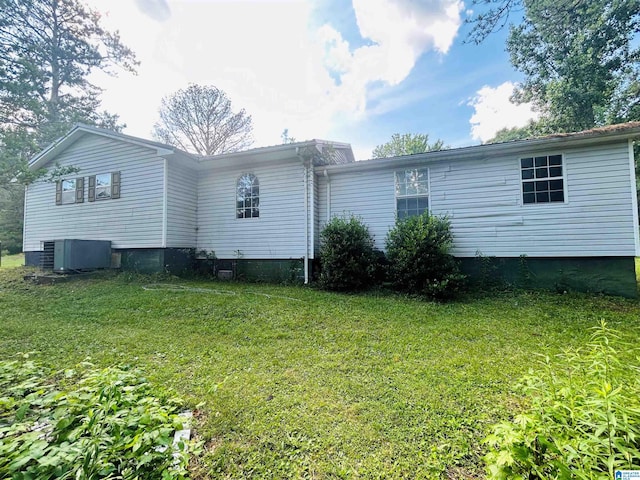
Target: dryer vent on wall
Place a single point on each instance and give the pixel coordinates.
(70, 255)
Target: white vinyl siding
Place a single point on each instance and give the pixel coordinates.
(483, 200)
(279, 231)
(182, 198)
(132, 221)
(369, 195)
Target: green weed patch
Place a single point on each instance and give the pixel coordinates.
(86, 424)
(584, 417)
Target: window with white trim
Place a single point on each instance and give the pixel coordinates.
(412, 192)
(248, 196)
(542, 179)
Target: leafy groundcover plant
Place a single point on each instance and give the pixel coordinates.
(584, 417)
(86, 424)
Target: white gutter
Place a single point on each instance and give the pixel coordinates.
(164, 203)
(306, 216)
(634, 200)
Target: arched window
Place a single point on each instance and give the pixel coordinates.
(248, 196)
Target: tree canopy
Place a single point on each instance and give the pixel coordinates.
(530, 130)
(579, 60)
(48, 48)
(494, 17)
(406, 144)
(199, 119)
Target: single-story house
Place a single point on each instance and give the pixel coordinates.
(562, 207)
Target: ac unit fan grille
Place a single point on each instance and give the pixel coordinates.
(46, 260)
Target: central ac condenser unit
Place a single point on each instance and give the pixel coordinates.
(71, 255)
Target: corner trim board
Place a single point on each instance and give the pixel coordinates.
(165, 194)
(634, 199)
(24, 218)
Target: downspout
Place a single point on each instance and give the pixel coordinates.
(306, 216)
(311, 179)
(326, 175)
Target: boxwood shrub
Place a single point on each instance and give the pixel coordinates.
(419, 260)
(348, 258)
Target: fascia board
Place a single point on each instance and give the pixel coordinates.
(481, 152)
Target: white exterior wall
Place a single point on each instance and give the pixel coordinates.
(182, 199)
(484, 202)
(132, 221)
(278, 233)
(369, 195)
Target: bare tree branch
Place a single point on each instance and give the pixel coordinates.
(199, 119)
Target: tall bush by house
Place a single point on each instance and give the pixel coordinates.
(347, 254)
(419, 260)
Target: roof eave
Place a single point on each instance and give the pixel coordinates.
(79, 130)
(274, 152)
(491, 150)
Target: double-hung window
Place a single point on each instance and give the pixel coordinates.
(103, 186)
(542, 179)
(412, 192)
(69, 190)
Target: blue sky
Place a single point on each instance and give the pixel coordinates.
(347, 70)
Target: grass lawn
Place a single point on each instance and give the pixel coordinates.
(297, 383)
(11, 261)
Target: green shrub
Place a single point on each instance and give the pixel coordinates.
(348, 259)
(584, 417)
(85, 425)
(419, 261)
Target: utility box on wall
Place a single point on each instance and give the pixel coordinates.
(75, 255)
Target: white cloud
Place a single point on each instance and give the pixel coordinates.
(263, 54)
(494, 111)
(399, 31)
(337, 56)
(156, 9)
